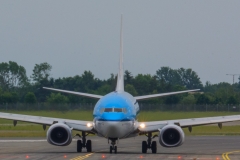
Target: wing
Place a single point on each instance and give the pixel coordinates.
(47, 121)
(163, 94)
(155, 126)
(75, 93)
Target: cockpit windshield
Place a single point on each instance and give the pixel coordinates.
(108, 110)
(114, 110)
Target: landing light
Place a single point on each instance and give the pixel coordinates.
(89, 125)
(142, 125)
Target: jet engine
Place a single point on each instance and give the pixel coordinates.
(171, 136)
(59, 134)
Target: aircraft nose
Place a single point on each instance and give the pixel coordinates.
(115, 129)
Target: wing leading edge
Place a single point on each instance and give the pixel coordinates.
(163, 94)
(47, 121)
(155, 126)
(75, 93)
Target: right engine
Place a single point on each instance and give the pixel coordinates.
(171, 136)
(59, 134)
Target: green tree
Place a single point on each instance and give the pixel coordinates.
(232, 100)
(40, 93)
(9, 97)
(104, 89)
(218, 100)
(84, 83)
(189, 78)
(220, 92)
(12, 75)
(30, 98)
(183, 77)
(128, 78)
(145, 84)
(1, 101)
(174, 99)
(41, 71)
(112, 81)
(89, 82)
(73, 99)
(168, 75)
(203, 99)
(190, 99)
(58, 102)
(15, 97)
(130, 89)
(57, 98)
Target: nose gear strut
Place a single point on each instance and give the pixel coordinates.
(113, 146)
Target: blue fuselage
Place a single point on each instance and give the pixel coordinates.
(116, 107)
(115, 115)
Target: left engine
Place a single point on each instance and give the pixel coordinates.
(171, 136)
(59, 134)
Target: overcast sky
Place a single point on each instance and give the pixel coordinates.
(74, 36)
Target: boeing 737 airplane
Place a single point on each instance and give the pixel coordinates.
(115, 118)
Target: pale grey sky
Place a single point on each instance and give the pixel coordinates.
(75, 35)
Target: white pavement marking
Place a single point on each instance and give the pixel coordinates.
(28, 140)
(23, 140)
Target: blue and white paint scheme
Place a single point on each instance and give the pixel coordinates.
(115, 118)
(115, 115)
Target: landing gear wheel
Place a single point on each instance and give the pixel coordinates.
(144, 147)
(115, 149)
(89, 146)
(154, 147)
(111, 148)
(79, 146)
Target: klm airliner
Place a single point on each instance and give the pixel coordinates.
(115, 118)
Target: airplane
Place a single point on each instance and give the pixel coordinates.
(115, 118)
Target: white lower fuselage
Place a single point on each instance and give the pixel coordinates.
(115, 129)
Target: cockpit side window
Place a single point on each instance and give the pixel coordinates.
(108, 110)
(124, 110)
(102, 110)
(119, 110)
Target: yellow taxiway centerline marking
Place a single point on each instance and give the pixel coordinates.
(86, 156)
(82, 157)
(225, 155)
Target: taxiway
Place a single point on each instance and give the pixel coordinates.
(194, 148)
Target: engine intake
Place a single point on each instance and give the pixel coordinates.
(171, 136)
(59, 134)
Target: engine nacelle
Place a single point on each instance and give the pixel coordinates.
(59, 134)
(171, 136)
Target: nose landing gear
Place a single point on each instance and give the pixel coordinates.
(113, 147)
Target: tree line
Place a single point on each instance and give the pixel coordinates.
(16, 87)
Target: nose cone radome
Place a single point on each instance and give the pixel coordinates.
(114, 129)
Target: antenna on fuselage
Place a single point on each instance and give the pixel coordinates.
(120, 78)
